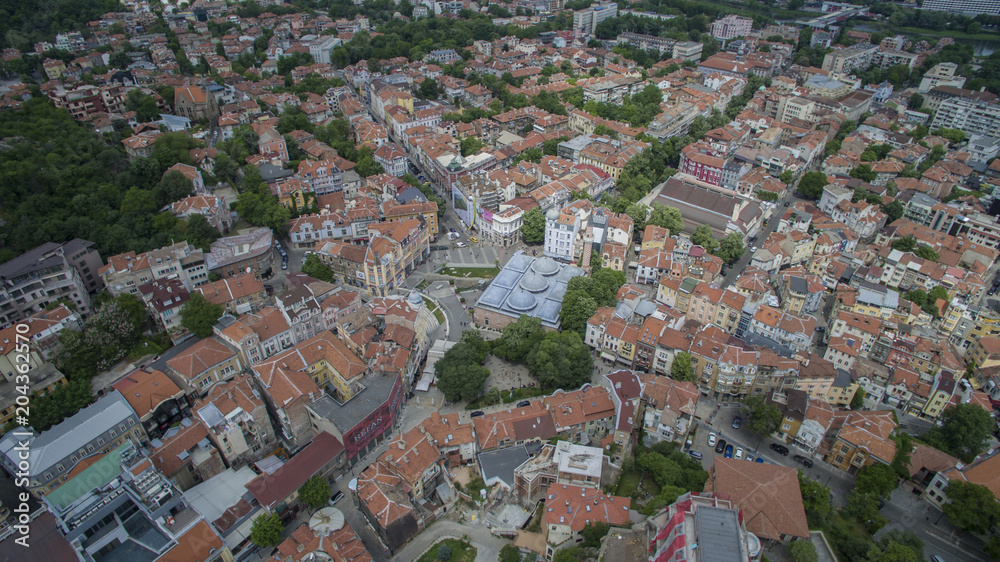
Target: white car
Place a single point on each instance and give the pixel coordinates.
(753, 249)
(739, 453)
(711, 439)
(459, 244)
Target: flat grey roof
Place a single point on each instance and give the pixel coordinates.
(718, 534)
(378, 387)
(502, 462)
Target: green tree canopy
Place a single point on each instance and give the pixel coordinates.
(460, 373)
(561, 360)
(971, 507)
(199, 315)
(315, 492)
(314, 267)
(533, 227)
(666, 217)
(681, 369)
(964, 431)
(811, 185)
(266, 530)
(519, 339)
(764, 418)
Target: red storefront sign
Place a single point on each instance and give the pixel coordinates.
(376, 423)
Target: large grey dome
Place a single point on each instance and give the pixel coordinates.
(552, 215)
(521, 300)
(534, 283)
(545, 266)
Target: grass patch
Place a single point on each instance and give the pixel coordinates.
(422, 285)
(461, 551)
(467, 272)
(536, 519)
(649, 485)
(628, 483)
(145, 347)
(438, 313)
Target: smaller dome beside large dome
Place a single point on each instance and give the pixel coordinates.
(545, 266)
(534, 283)
(521, 300)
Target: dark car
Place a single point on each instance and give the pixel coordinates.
(694, 454)
(787, 203)
(736, 422)
(478, 413)
(524, 404)
(803, 461)
(336, 497)
(720, 446)
(820, 329)
(780, 449)
(729, 451)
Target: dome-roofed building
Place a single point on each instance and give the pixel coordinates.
(525, 285)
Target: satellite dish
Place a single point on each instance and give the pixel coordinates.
(326, 521)
(248, 269)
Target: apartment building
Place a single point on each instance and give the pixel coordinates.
(971, 116)
(588, 19)
(44, 275)
(731, 27)
(125, 273)
(843, 61)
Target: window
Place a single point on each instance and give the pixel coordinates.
(840, 458)
(785, 427)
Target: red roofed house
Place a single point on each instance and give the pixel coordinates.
(858, 439)
(190, 173)
(568, 509)
(339, 545)
(194, 103)
(204, 364)
(278, 491)
(165, 298)
(383, 501)
(155, 398)
(768, 496)
(626, 392)
(984, 471)
(185, 456)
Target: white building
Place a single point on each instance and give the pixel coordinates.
(588, 19)
(731, 27)
(561, 229)
(965, 7)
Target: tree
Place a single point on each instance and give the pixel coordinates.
(680, 369)
(802, 551)
(666, 217)
(561, 360)
(460, 373)
(971, 507)
(811, 185)
(702, 236)
(519, 339)
(143, 105)
(927, 253)
(315, 492)
(569, 554)
(444, 552)
(863, 172)
(266, 530)
(954, 136)
(577, 308)
(963, 432)
(533, 227)
(470, 145)
(594, 533)
(894, 210)
(119, 59)
(199, 232)
(107, 336)
(173, 187)
(916, 101)
(877, 479)
(858, 400)
(731, 248)
(815, 500)
(314, 267)
(198, 315)
(764, 418)
(509, 553)
(904, 244)
(864, 506)
(894, 538)
(429, 89)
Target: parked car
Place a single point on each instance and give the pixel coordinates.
(753, 249)
(712, 437)
(459, 244)
(759, 459)
(739, 453)
(284, 263)
(524, 403)
(477, 413)
(803, 461)
(780, 449)
(749, 456)
(336, 497)
(736, 422)
(720, 446)
(787, 203)
(695, 455)
(729, 452)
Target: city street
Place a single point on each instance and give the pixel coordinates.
(906, 511)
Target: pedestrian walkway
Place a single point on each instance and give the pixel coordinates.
(487, 546)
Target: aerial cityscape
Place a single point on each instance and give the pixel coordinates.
(510, 280)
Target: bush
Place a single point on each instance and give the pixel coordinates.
(444, 552)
